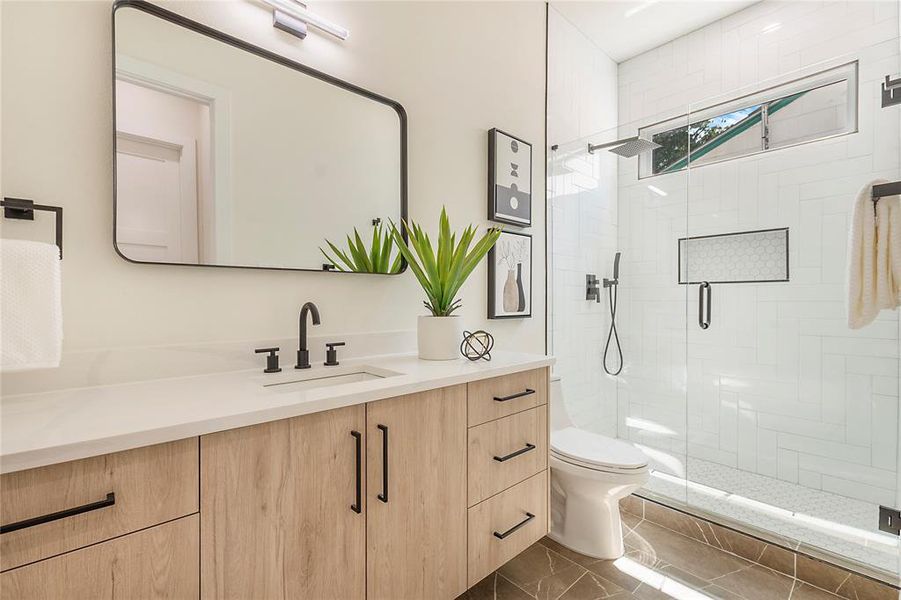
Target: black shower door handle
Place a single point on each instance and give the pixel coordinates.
(705, 298)
(357, 506)
(384, 495)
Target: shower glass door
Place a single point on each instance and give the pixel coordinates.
(792, 416)
(598, 206)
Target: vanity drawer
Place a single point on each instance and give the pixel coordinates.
(159, 562)
(501, 527)
(94, 499)
(506, 451)
(498, 397)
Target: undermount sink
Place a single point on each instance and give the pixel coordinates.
(330, 378)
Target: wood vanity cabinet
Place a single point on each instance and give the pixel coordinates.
(416, 535)
(280, 515)
(408, 498)
(112, 527)
(278, 502)
(155, 563)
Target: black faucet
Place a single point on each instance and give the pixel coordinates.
(303, 353)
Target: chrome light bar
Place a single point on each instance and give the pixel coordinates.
(288, 13)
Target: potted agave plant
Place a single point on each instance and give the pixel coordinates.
(441, 272)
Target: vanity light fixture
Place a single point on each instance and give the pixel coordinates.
(294, 17)
(288, 24)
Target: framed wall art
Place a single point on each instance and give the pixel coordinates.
(509, 179)
(510, 277)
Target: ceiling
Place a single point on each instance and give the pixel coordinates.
(623, 29)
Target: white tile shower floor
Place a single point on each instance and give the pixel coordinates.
(839, 525)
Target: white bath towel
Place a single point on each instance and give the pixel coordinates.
(31, 316)
(874, 257)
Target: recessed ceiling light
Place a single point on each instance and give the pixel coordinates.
(657, 190)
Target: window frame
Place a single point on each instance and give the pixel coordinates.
(847, 72)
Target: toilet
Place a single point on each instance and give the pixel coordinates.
(590, 473)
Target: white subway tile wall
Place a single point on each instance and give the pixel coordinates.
(778, 387)
(582, 205)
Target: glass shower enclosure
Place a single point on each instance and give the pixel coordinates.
(756, 402)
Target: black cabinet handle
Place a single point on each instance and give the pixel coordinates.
(357, 506)
(384, 495)
(69, 512)
(704, 300)
(515, 454)
(500, 536)
(514, 396)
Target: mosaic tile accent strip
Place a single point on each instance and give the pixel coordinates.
(746, 257)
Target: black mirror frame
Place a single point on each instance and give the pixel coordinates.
(181, 21)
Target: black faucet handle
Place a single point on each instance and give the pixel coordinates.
(271, 360)
(331, 355)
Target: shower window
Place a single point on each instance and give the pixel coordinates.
(817, 107)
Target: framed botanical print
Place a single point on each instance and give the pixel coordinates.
(510, 277)
(509, 179)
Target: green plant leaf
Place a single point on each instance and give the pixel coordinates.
(442, 270)
(362, 258)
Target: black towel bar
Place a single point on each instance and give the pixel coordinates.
(886, 189)
(20, 208)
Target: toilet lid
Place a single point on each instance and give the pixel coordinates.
(593, 449)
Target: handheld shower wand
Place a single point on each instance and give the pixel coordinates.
(609, 283)
(613, 335)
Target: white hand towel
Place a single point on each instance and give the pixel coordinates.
(31, 316)
(874, 257)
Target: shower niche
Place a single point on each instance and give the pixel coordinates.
(746, 257)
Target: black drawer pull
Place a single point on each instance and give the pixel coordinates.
(500, 536)
(69, 512)
(514, 396)
(384, 495)
(515, 454)
(357, 506)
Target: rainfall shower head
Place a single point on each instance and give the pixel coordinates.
(627, 147)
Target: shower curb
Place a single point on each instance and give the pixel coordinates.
(782, 555)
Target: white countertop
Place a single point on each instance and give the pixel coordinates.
(52, 427)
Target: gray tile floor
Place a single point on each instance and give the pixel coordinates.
(659, 563)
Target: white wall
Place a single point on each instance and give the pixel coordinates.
(582, 203)
(455, 85)
(778, 385)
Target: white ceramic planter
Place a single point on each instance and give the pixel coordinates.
(439, 338)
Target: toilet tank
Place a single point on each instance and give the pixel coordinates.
(559, 417)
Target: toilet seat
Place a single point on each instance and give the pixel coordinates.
(596, 452)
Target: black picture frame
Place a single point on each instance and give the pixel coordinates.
(176, 19)
(500, 197)
(496, 290)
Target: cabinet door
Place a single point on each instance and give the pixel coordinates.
(155, 563)
(416, 526)
(277, 514)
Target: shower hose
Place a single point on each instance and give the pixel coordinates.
(612, 335)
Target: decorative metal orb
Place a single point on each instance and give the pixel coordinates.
(477, 345)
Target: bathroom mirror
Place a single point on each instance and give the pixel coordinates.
(229, 155)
